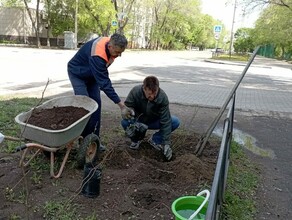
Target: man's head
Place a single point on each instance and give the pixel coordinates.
(117, 45)
(150, 87)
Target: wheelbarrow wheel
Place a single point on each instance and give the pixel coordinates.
(88, 151)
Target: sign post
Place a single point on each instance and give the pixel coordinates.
(217, 32)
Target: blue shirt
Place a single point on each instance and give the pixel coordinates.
(87, 67)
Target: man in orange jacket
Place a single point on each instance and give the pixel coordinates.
(88, 73)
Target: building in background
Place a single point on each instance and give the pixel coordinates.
(16, 27)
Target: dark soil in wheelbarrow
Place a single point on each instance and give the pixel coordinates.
(135, 184)
(56, 118)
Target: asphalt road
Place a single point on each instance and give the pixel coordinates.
(263, 100)
(185, 76)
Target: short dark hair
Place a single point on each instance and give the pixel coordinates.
(119, 40)
(151, 82)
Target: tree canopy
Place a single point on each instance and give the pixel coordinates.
(152, 24)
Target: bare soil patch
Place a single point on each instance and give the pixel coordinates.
(135, 184)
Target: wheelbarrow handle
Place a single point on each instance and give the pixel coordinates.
(2, 137)
(19, 148)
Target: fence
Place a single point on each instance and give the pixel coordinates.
(219, 181)
(267, 51)
(220, 177)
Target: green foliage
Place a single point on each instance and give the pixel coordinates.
(11, 3)
(159, 24)
(179, 24)
(242, 182)
(274, 27)
(61, 16)
(9, 41)
(243, 40)
(95, 17)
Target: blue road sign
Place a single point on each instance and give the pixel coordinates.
(114, 23)
(217, 28)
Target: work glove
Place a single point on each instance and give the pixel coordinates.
(167, 151)
(127, 113)
(136, 131)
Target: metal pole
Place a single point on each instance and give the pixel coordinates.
(232, 26)
(200, 146)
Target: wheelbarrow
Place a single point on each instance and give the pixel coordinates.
(50, 141)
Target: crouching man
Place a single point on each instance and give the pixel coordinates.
(149, 108)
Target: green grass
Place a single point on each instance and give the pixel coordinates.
(59, 210)
(9, 42)
(9, 109)
(233, 57)
(242, 182)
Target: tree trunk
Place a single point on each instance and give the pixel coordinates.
(283, 52)
(38, 24)
(34, 26)
(48, 22)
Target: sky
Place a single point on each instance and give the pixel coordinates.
(223, 10)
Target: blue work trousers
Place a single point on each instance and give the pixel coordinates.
(91, 89)
(155, 125)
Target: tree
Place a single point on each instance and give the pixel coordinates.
(36, 22)
(243, 40)
(252, 4)
(123, 9)
(96, 17)
(274, 27)
(61, 16)
(170, 23)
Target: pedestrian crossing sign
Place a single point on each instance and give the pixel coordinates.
(217, 28)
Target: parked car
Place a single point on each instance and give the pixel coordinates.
(196, 48)
(218, 50)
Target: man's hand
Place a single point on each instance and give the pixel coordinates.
(127, 113)
(167, 152)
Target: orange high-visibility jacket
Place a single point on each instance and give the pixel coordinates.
(98, 49)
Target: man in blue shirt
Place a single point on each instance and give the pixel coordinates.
(88, 74)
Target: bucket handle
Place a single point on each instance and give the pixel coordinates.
(1, 137)
(203, 203)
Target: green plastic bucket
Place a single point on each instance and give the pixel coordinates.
(184, 207)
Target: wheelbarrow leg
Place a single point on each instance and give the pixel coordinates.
(69, 147)
(52, 151)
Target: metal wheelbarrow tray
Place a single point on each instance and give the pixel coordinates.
(52, 140)
(56, 138)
